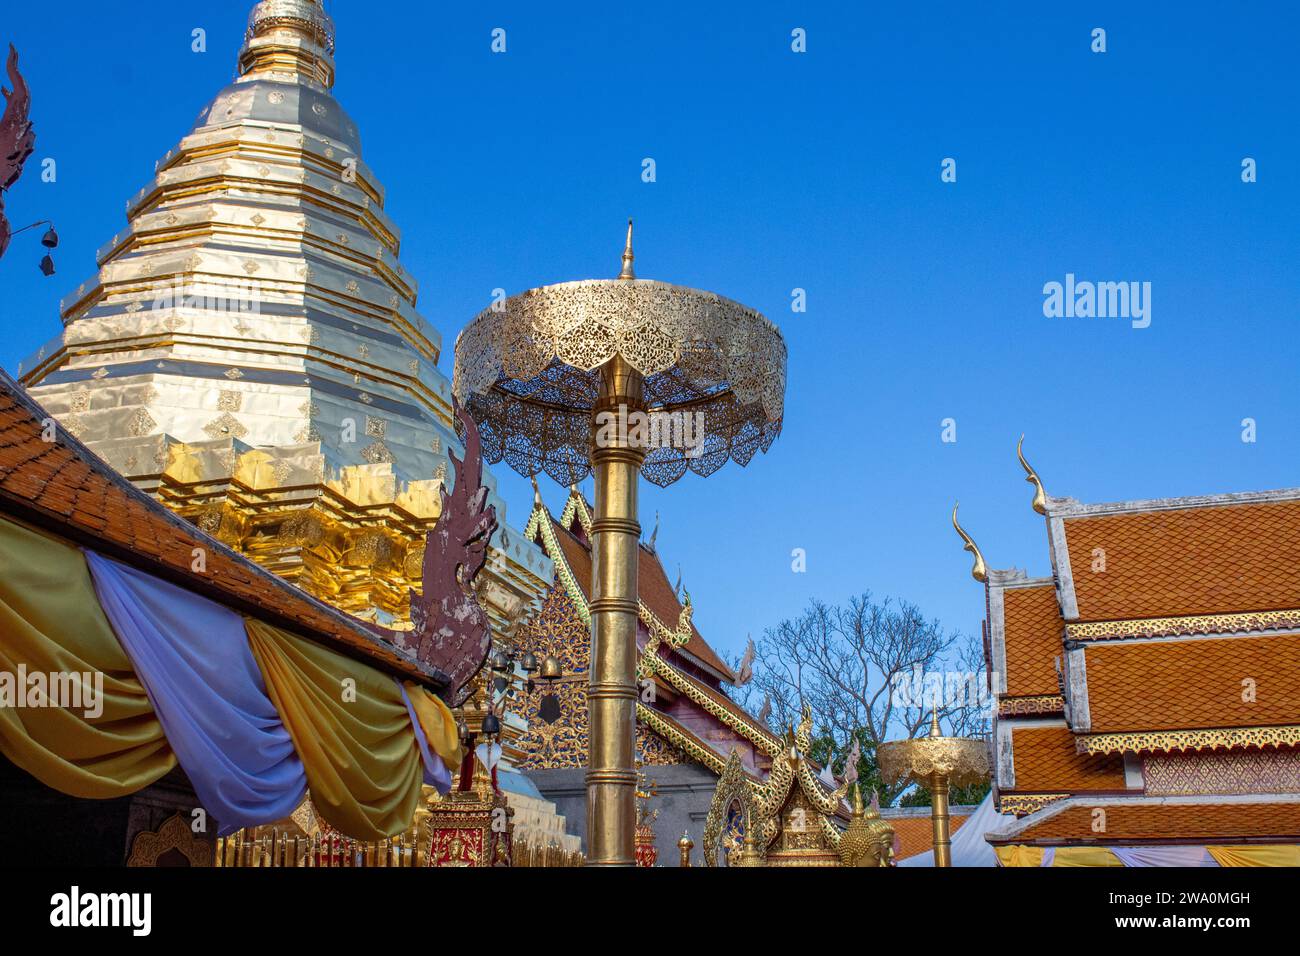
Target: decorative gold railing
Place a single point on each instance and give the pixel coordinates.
(549, 855)
(266, 847)
(275, 848)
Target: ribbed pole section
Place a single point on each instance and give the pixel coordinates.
(611, 689)
(939, 819)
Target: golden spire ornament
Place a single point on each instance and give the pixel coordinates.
(979, 570)
(627, 272)
(1031, 476)
(684, 847)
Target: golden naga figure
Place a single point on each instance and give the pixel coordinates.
(869, 840)
(787, 819)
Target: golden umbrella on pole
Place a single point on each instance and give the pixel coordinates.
(938, 762)
(619, 377)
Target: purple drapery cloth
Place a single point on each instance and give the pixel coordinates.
(193, 658)
(436, 774)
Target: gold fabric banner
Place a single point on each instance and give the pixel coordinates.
(1085, 856)
(351, 728)
(1255, 855)
(438, 723)
(52, 628)
(1019, 855)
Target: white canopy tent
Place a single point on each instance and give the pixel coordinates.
(968, 845)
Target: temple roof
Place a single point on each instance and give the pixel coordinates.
(685, 665)
(1186, 556)
(1186, 683)
(655, 593)
(1045, 760)
(60, 486)
(1033, 639)
(1137, 820)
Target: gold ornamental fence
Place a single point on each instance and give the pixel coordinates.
(276, 848)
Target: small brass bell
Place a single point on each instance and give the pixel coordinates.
(551, 669)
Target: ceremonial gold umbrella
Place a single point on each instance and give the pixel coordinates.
(937, 762)
(615, 377)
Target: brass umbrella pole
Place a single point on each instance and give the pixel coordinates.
(611, 689)
(937, 762)
(618, 378)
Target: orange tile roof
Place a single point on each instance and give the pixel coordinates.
(1045, 761)
(1207, 560)
(916, 834)
(1185, 822)
(63, 487)
(1033, 639)
(656, 593)
(1188, 683)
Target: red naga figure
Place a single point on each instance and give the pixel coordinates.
(451, 631)
(17, 140)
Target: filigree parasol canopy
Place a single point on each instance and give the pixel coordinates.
(963, 760)
(527, 369)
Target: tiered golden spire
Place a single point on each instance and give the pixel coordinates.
(289, 36)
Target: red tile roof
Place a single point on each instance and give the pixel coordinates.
(1045, 761)
(1033, 639)
(62, 487)
(1185, 822)
(916, 833)
(1204, 560)
(1187, 683)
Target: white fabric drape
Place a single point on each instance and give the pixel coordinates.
(969, 848)
(1163, 855)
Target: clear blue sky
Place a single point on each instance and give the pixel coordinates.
(821, 171)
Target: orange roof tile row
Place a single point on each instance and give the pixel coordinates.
(1045, 761)
(62, 487)
(1186, 683)
(1185, 822)
(1034, 631)
(1207, 560)
(916, 834)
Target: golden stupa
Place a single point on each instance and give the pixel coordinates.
(249, 351)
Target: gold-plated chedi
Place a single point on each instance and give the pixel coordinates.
(249, 351)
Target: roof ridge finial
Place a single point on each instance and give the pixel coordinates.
(934, 723)
(628, 272)
(1031, 476)
(979, 570)
(537, 492)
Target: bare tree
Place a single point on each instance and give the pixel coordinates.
(869, 670)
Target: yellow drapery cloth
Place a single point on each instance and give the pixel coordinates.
(51, 623)
(1085, 856)
(1019, 855)
(358, 749)
(438, 723)
(1255, 855)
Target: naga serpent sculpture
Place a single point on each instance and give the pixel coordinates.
(451, 631)
(17, 139)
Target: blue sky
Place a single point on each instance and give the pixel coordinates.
(821, 170)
